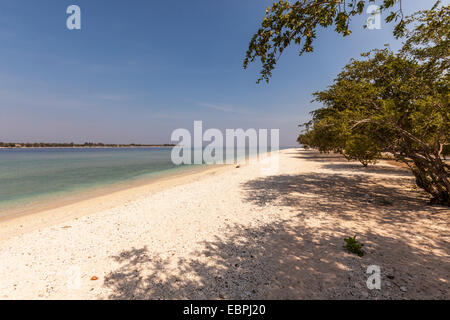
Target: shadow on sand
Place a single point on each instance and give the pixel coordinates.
(292, 259)
(342, 164)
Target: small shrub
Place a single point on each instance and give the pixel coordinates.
(354, 246)
(362, 149)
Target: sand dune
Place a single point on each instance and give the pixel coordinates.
(235, 233)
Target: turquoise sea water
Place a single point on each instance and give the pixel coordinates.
(29, 176)
(34, 177)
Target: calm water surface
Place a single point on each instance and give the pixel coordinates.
(29, 176)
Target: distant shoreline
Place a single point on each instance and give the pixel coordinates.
(92, 147)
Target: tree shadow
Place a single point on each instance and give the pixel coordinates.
(339, 195)
(301, 256)
(358, 168)
(278, 261)
(340, 163)
(313, 155)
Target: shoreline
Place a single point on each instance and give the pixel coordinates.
(53, 201)
(86, 202)
(19, 220)
(237, 232)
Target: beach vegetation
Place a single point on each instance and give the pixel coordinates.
(354, 246)
(287, 23)
(394, 102)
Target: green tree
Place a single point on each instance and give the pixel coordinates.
(394, 102)
(297, 23)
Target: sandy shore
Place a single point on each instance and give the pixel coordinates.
(22, 220)
(237, 233)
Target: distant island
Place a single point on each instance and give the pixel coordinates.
(76, 145)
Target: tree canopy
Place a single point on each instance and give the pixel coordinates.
(297, 23)
(394, 102)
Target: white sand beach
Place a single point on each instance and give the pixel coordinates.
(234, 233)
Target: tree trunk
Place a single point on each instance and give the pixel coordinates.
(432, 176)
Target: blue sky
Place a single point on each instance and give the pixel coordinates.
(140, 69)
